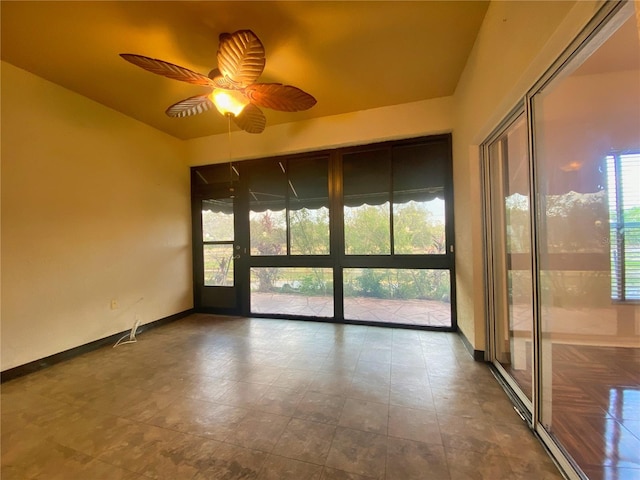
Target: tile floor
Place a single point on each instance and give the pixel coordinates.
(212, 397)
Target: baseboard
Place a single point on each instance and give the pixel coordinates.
(477, 355)
(36, 365)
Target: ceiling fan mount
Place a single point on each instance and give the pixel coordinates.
(233, 87)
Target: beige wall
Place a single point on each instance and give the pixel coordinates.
(95, 207)
(408, 120)
(518, 41)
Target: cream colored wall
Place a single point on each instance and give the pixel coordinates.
(95, 207)
(387, 123)
(517, 43)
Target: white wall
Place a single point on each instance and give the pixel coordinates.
(95, 207)
(517, 43)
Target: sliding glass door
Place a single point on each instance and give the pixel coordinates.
(563, 251)
(509, 233)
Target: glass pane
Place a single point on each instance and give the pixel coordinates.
(367, 226)
(267, 204)
(309, 206)
(218, 265)
(419, 174)
(217, 220)
(511, 253)
(412, 297)
(292, 291)
(418, 227)
(587, 135)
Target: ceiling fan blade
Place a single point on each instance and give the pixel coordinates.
(276, 96)
(166, 69)
(251, 119)
(190, 106)
(240, 57)
(220, 80)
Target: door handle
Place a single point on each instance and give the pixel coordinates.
(235, 257)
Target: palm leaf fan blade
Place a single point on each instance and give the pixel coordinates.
(169, 70)
(251, 120)
(190, 106)
(241, 57)
(285, 98)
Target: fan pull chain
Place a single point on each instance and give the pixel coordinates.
(231, 189)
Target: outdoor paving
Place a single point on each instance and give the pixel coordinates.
(409, 312)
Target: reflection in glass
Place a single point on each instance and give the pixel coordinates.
(302, 291)
(623, 182)
(585, 120)
(218, 265)
(407, 296)
(511, 254)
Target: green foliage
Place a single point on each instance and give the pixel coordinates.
(399, 284)
(314, 284)
(366, 230)
(309, 231)
(267, 238)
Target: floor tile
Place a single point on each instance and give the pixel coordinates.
(234, 398)
(306, 441)
(414, 424)
(365, 415)
(231, 462)
(200, 418)
(409, 459)
(281, 468)
(355, 451)
(334, 474)
(258, 431)
(466, 465)
(319, 407)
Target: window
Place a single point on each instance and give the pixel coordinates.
(289, 207)
(623, 172)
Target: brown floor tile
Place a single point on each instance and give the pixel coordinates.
(411, 395)
(409, 459)
(369, 390)
(200, 418)
(258, 431)
(333, 474)
(465, 465)
(355, 451)
(414, 424)
(365, 415)
(322, 408)
(234, 398)
(306, 441)
(281, 468)
(231, 462)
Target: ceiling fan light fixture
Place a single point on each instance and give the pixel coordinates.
(229, 101)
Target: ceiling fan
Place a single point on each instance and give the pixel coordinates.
(233, 88)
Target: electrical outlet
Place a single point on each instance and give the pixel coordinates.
(114, 304)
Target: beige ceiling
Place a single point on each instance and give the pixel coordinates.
(351, 55)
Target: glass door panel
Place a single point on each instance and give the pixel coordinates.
(587, 126)
(510, 245)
